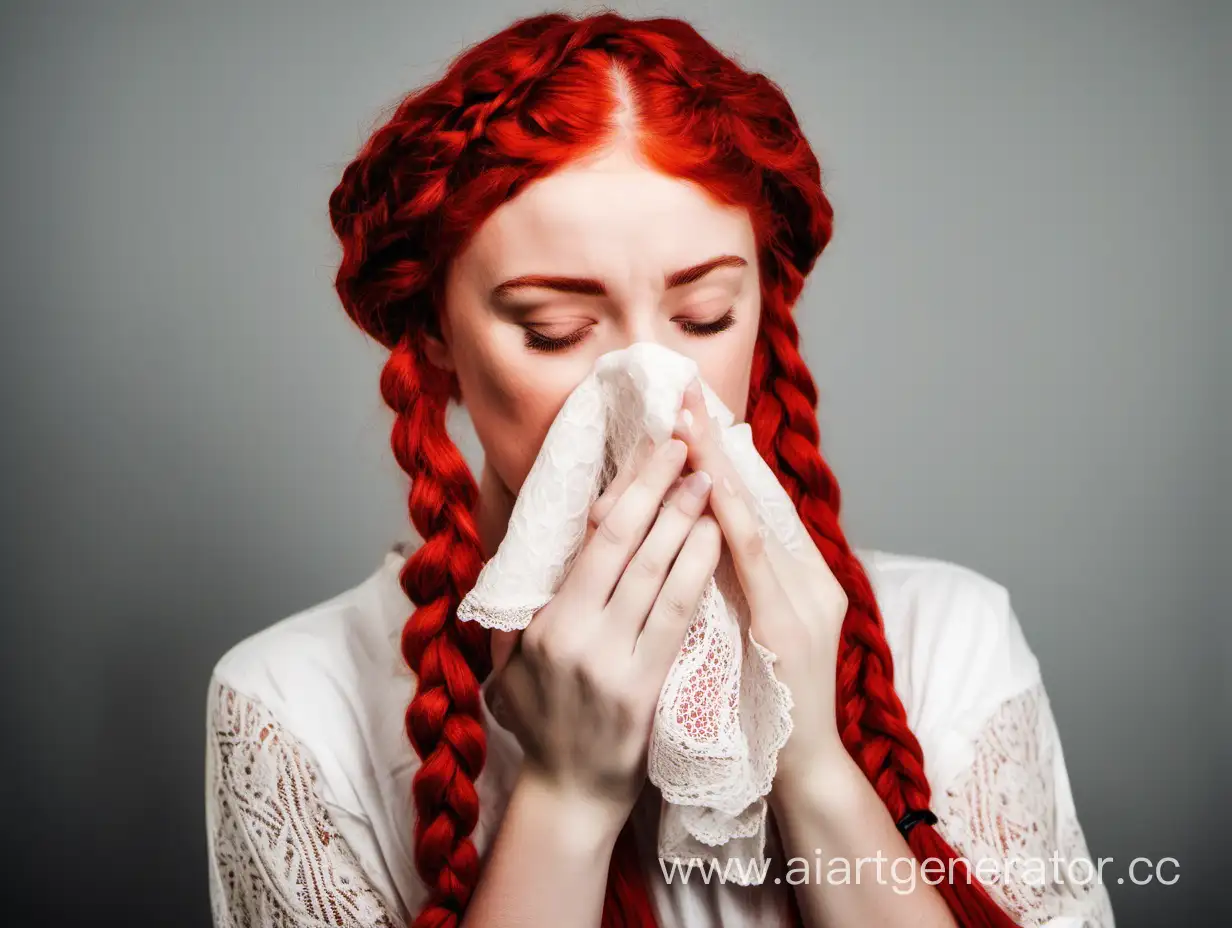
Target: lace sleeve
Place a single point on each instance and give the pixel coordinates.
(275, 856)
(1013, 807)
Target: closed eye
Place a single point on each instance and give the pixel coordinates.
(537, 341)
(725, 321)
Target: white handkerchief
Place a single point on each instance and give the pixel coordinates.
(722, 714)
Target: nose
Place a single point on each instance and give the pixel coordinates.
(644, 327)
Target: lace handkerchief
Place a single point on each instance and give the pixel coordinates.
(722, 714)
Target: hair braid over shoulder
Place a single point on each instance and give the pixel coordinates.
(444, 718)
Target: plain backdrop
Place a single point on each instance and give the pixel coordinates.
(1020, 332)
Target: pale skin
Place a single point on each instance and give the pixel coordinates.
(579, 686)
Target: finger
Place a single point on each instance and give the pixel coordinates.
(798, 569)
(624, 476)
(642, 580)
(750, 542)
(673, 610)
(603, 558)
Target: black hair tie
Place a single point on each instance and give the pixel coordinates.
(913, 818)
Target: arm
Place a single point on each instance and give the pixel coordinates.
(548, 862)
(831, 806)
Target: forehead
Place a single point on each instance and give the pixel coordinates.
(614, 219)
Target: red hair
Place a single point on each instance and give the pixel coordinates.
(511, 109)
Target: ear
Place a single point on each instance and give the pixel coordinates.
(437, 349)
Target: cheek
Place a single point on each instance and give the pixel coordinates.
(511, 427)
(732, 386)
(728, 376)
(726, 362)
(511, 406)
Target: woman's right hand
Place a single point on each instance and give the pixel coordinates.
(579, 685)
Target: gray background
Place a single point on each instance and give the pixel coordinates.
(1020, 333)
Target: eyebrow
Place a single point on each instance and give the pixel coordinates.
(590, 286)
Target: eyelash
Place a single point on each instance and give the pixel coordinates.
(538, 342)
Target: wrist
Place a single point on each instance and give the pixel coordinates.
(594, 824)
(826, 779)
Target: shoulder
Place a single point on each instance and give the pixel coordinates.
(957, 646)
(331, 675)
(304, 738)
(933, 598)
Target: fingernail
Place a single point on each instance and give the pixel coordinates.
(697, 483)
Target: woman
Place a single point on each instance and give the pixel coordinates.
(569, 187)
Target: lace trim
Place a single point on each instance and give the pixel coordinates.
(276, 857)
(1004, 809)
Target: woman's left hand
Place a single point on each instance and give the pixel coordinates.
(796, 604)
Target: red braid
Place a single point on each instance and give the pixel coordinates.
(872, 720)
(515, 107)
(444, 719)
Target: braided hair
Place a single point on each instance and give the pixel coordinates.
(541, 93)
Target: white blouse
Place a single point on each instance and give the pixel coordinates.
(308, 770)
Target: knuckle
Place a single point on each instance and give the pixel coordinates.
(603, 681)
(707, 531)
(620, 695)
(649, 565)
(534, 650)
(550, 647)
(584, 676)
(753, 546)
(598, 510)
(653, 482)
(706, 540)
(597, 680)
(605, 685)
(609, 533)
(675, 606)
(564, 652)
(641, 489)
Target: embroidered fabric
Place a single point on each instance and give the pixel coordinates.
(722, 715)
(1013, 807)
(276, 858)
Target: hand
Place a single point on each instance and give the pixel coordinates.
(796, 604)
(579, 685)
